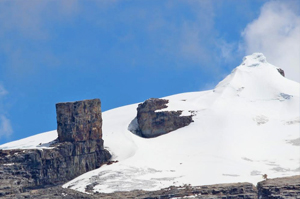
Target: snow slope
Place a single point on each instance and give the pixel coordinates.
(39, 141)
(247, 126)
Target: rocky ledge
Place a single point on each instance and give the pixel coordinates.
(152, 124)
(79, 149)
(279, 188)
(219, 191)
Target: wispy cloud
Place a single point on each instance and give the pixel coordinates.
(276, 33)
(29, 17)
(197, 36)
(2, 91)
(182, 33)
(26, 33)
(5, 125)
(228, 50)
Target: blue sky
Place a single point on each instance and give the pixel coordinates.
(125, 52)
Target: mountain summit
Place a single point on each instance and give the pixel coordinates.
(256, 79)
(246, 127)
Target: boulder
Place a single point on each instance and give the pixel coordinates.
(152, 124)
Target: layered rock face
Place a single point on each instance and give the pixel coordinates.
(219, 191)
(153, 124)
(79, 121)
(280, 188)
(80, 149)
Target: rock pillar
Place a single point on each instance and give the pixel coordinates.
(80, 149)
(79, 121)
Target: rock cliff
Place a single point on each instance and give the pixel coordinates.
(80, 149)
(280, 188)
(153, 124)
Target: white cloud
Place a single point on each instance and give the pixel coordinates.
(5, 126)
(276, 33)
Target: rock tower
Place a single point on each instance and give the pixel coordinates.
(79, 149)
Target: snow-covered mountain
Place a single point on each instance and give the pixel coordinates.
(247, 126)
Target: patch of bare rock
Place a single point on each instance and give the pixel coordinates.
(152, 124)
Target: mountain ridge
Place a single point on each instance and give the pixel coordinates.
(242, 129)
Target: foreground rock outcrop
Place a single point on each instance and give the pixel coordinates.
(153, 124)
(220, 191)
(280, 188)
(80, 149)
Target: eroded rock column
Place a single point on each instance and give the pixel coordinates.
(79, 121)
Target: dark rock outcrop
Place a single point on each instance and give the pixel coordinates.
(280, 188)
(80, 150)
(53, 192)
(153, 124)
(219, 191)
(281, 71)
(79, 121)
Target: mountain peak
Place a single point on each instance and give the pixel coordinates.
(256, 79)
(257, 59)
(254, 60)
